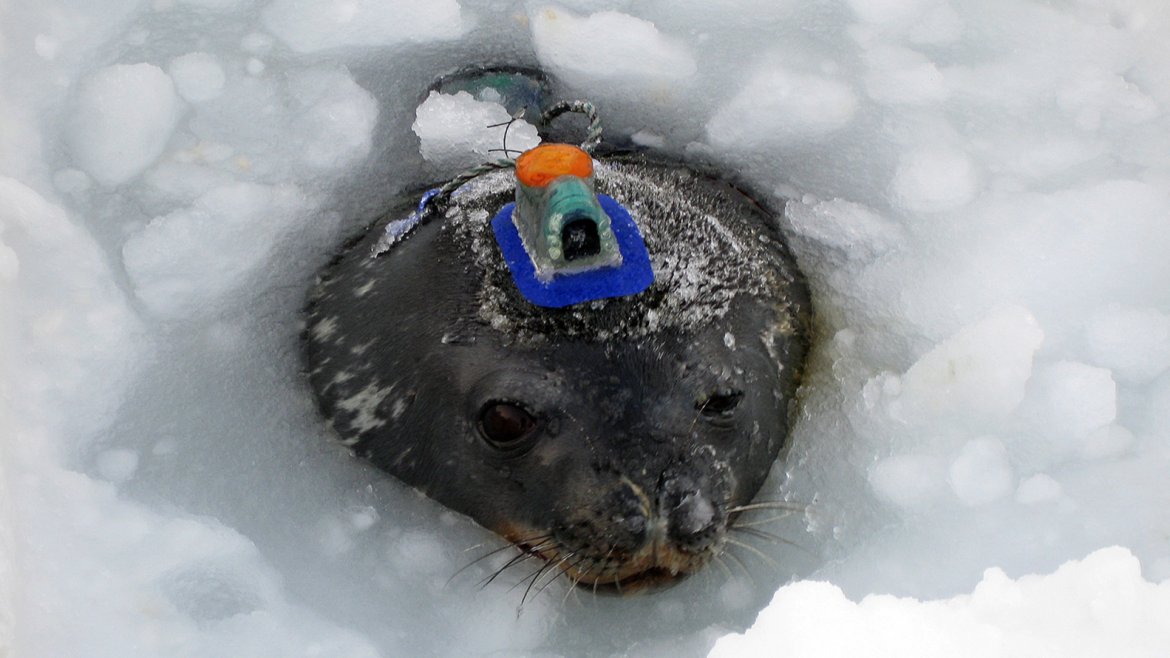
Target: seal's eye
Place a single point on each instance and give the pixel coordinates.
(505, 424)
(720, 403)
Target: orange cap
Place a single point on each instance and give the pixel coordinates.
(540, 166)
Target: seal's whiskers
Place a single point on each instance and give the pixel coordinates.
(769, 504)
(496, 551)
(760, 554)
(757, 522)
(762, 534)
(527, 554)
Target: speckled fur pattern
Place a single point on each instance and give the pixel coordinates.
(629, 472)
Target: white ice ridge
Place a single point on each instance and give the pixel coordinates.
(1090, 608)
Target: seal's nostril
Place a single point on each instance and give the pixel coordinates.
(634, 524)
(693, 515)
(693, 521)
(630, 518)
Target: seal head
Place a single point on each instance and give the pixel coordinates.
(615, 438)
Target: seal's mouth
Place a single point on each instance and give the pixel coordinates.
(654, 578)
(653, 568)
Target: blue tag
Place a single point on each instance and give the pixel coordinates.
(633, 276)
(397, 229)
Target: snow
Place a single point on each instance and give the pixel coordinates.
(310, 26)
(453, 130)
(977, 192)
(1103, 598)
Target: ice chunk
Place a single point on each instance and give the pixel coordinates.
(607, 45)
(256, 43)
(117, 465)
(1038, 489)
(123, 119)
(1095, 95)
(981, 473)
(217, 5)
(908, 480)
(1067, 400)
(9, 263)
(900, 76)
(778, 106)
(335, 116)
(254, 66)
(1108, 441)
(979, 374)
(313, 25)
(198, 76)
(885, 12)
(75, 333)
(934, 179)
(855, 229)
(306, 122)
(188, 260)
(453, 130)
(648, 139)
(1132, 342)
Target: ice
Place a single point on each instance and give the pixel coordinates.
(1038, 489)
(189, 260)
(837, 223)
(981, 473)
(309, 26)
(978, 194)
(313, 120)
(779, 107)
(198, 77)
(117, 465)
(908, 480)
(932, 180)
(454, 133)
(1070, 399)
(977, 375)
(620, 47)
(217, 5)
(1098, 606)
(901, 76)
(124, 118)
(1133, 343)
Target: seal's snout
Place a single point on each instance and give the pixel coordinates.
(661, 516)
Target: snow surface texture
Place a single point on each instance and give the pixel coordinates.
(979, 196)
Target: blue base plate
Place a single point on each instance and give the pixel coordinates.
(631, 277)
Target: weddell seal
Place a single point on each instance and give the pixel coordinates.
(615, 434)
